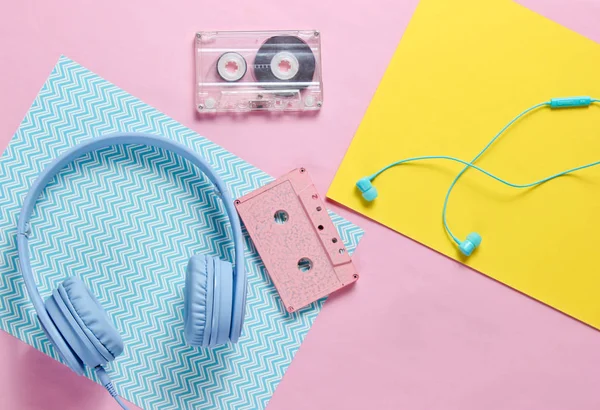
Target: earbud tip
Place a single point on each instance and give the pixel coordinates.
(369, 192)
(475, 238)
(470, 244)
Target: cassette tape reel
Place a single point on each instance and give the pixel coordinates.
(257, 71)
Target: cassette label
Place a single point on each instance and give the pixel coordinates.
(296, 239)
(259, 70)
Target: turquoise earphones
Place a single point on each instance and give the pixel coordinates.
(473, 240)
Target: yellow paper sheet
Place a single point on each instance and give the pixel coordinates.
(463, 69)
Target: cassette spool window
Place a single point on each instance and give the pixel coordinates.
(257, 71)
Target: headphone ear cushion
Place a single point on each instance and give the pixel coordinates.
(225, 290)
(198, 300)
(92, 317)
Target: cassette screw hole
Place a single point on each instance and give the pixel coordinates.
(319, 209)
(315, 196)
(334, 240)
(342, 251)
(281, 217)
(302, 170)
(304, 265)
(291, 309)
(237, 201)
(210, 103)
(355, 276)
(320, 227)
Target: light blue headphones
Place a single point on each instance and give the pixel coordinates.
(473, 240)
(76, 324)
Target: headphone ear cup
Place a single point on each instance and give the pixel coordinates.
(61, 345)
(78, 346)
(198, 300)
(83, 323)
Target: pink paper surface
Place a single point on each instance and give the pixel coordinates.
(418, 331)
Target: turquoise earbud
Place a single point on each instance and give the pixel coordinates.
(369, 192)
(470, 244)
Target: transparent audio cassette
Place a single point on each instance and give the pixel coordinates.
(258, 71)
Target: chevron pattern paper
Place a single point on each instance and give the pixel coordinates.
(126, 220)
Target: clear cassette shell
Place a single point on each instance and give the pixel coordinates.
(258, 71)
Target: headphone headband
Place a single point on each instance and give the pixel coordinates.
(23, 229)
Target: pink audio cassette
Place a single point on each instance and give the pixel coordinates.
(296, 239)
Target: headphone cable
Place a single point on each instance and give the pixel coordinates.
(107, 383)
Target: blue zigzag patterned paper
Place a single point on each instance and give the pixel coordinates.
(126, 219)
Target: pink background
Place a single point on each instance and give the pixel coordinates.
(418, 331)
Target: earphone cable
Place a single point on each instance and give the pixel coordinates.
(473, 240)
(489, 174)
(470, 164)
(489, 144)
